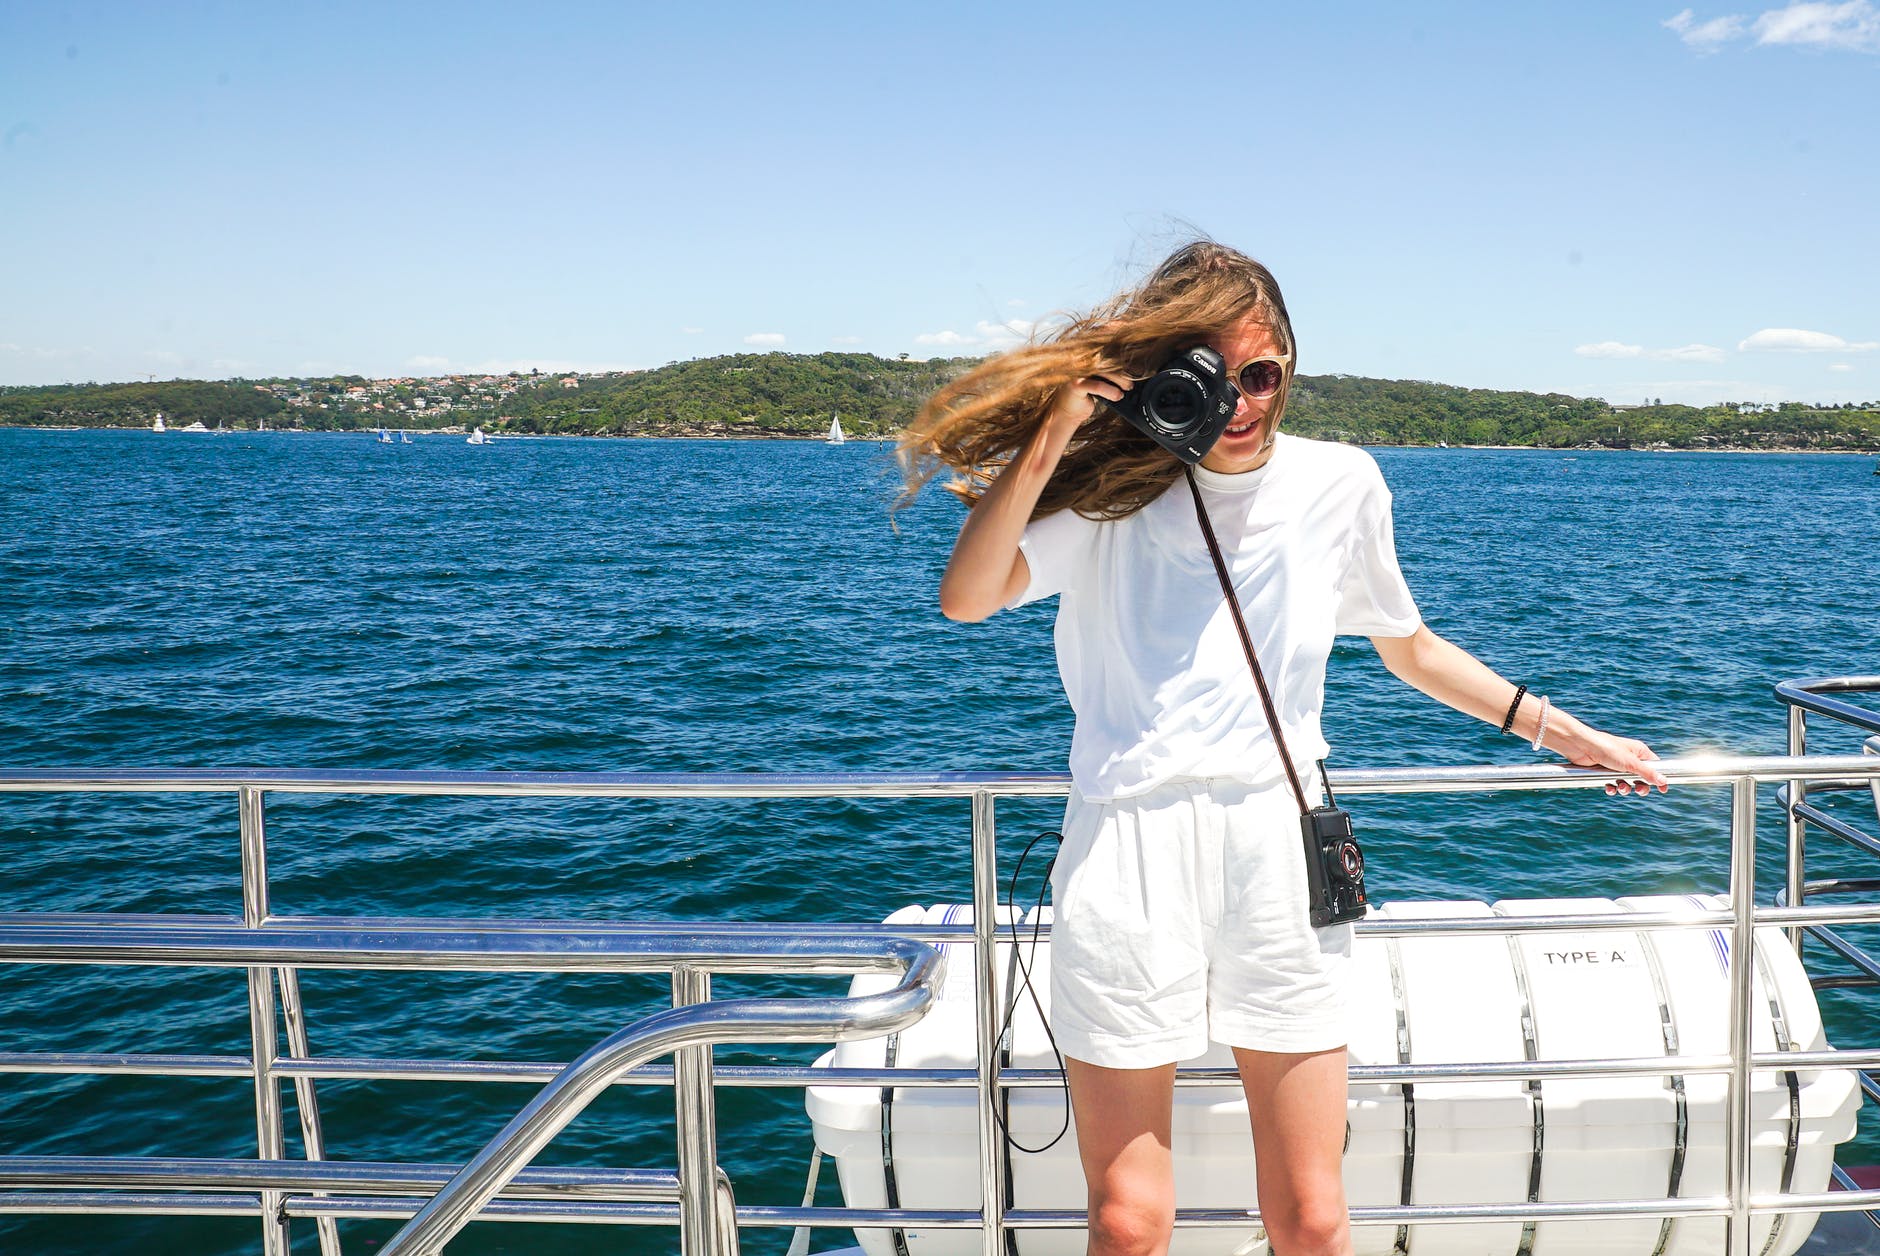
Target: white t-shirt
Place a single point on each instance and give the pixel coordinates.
(1149, 655)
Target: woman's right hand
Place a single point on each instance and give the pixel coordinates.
(1076, 403)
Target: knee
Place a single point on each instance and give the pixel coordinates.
(1308, 1227)
(1130, 1225)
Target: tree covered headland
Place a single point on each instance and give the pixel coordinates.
(780, 394)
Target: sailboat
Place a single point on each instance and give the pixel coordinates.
(156, 424)
(835, 431)
(404, 438)
(477, 438)
(384, 438)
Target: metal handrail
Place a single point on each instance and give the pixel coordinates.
(742, 1020)
(1710, 769)
(1803, 697)
(1812, 695)
(268, 944)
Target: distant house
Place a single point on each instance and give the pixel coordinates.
(571, 381)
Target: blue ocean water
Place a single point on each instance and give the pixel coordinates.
(303, 601)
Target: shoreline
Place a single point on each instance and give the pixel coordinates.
(815, 438)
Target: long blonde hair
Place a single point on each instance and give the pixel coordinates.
(978, 423)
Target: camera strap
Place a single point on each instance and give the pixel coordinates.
(1246, 640)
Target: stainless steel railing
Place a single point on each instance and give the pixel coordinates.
(1821, 696)
(273, 947)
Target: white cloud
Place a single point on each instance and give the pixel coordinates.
(1017, 303)
(428, 362)
(765, 339)
(692, 331)
(1853, 26)
(1610, 349)
(1705, 36)
(1795, 340)
(1840, 366)
(12, 348)
(845, 340)
(986, 335)
(1686, 353)
(1011, 331)
(547, 366)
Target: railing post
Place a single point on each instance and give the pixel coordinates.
(312, 1136)
(271, 1142)
(1737, 1130)
(697, 1125)
(1797, 830)
(986, 1020)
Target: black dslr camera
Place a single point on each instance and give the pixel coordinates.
(1185, 406)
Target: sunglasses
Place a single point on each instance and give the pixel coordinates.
(1259, 378)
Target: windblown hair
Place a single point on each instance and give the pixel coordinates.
(978, 423)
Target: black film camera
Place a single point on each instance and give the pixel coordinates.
(1334, 867)
(1185, 406)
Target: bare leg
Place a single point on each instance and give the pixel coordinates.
(1123, 1119)
(1297, 1104)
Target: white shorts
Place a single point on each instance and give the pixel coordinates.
(1179, 916)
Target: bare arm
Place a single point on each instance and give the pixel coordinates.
(988, 569)
(1456, 678)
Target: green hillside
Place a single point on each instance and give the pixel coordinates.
(780, 394)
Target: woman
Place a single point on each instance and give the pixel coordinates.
(1179, 891)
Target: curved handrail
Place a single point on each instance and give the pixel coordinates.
(1809, 694)
(733, 1020)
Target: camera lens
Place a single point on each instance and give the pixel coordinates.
(1173, 400)
(1353, 860)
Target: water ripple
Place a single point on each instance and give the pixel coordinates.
(318, 601)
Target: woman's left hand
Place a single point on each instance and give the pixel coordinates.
(1587, 747)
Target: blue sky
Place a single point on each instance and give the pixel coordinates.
(1623, 200)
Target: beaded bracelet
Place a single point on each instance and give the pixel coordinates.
(1541, 731)
(1507, 725)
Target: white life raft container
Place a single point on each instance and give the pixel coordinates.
(1419, 1000)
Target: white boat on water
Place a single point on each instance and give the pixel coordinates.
(404, 438)
(835, 436)
(1645, 1075)
(477, 437)
(384, 437)
(156, 424)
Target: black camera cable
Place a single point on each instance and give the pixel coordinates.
(1024, 962)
